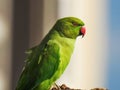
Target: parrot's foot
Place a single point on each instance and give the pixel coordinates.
(62, 87)
(56, 87)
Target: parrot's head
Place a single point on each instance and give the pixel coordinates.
(70, 27)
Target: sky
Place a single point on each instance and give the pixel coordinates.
(114, 45)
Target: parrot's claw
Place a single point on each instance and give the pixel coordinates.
(57, 87)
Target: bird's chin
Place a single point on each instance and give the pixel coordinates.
(81, 35)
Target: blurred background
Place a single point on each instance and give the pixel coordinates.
(95, 61)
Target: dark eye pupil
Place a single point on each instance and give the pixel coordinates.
(75, 24)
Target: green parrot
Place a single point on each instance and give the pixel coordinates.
(47, 61)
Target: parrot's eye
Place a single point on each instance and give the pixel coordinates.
(75, 24)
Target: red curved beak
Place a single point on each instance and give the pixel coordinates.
(82, 31)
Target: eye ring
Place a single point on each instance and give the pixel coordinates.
(75, 24)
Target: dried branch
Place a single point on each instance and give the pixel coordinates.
(64, 87)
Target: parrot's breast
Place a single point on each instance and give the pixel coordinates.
(66, 50)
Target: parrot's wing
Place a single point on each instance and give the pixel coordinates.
(41, 65)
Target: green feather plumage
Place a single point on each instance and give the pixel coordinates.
(46, 62)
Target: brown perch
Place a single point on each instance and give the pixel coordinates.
(64, 87)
